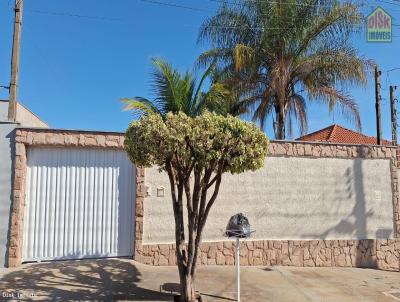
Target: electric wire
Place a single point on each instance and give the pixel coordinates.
(175, 5)
(72, 15)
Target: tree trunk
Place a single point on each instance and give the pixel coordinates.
(280, 122)
(187, 285)
(198, 210)
(187, 288)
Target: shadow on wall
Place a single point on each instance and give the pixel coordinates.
(365, 251)
(361, 253)
(355, 223)
(106, 279)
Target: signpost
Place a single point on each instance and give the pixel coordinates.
(238, 227)
(238, 268)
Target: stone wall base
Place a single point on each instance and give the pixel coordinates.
(369, 253)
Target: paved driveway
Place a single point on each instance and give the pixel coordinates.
(118, 279)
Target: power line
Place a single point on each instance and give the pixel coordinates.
(228, 2)
(243, 26)
(39, 51)
(272, 2)
(393, 69)
(164, 4)
(112, 19)
(170, 4)
(176, 5)
(388, 2)
(53, 13)
(73, 15)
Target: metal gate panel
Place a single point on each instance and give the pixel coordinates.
(79, 204)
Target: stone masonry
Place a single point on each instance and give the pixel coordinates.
(382, 254)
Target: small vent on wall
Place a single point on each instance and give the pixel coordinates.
(160, 191)
(378, 195)
(148, 190)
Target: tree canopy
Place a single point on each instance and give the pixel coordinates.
(207, 141)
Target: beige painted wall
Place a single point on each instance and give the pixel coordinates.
(28, 119)
(25, 117)
(290, 198)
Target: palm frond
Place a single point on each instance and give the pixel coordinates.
(266, 51)
(243, 56)
(140, 106)
(298, 108)
(165, 82)
(335, 98)
(205, 75)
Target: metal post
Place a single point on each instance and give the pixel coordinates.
(378, 105)
(393, 115)
(238, 268)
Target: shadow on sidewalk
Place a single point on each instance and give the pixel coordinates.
(106, 279)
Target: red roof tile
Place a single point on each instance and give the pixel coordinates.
(338, 134)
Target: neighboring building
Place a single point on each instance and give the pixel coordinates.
(338, 134)
(25, 118)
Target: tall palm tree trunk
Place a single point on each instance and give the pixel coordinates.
(280, 122)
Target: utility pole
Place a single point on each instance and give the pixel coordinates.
(378, 105)
(393, 113)
(12, 106)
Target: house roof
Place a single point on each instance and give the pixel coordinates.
(338, 134)
(25, 117)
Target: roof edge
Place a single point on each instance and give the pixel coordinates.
(34, 114)
(29, 110)
(312, 133)
(272, 141)
(39, 129)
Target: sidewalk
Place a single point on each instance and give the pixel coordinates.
(119, 279)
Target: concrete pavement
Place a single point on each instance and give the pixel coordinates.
(122, 279)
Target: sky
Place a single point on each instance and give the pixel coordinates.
(78, 58)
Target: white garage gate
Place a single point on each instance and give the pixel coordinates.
(79, 204)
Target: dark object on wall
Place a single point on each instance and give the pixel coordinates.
(238, 226)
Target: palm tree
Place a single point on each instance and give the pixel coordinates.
(176, 92)
(283, 54)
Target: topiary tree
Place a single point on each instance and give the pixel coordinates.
(194, 152)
